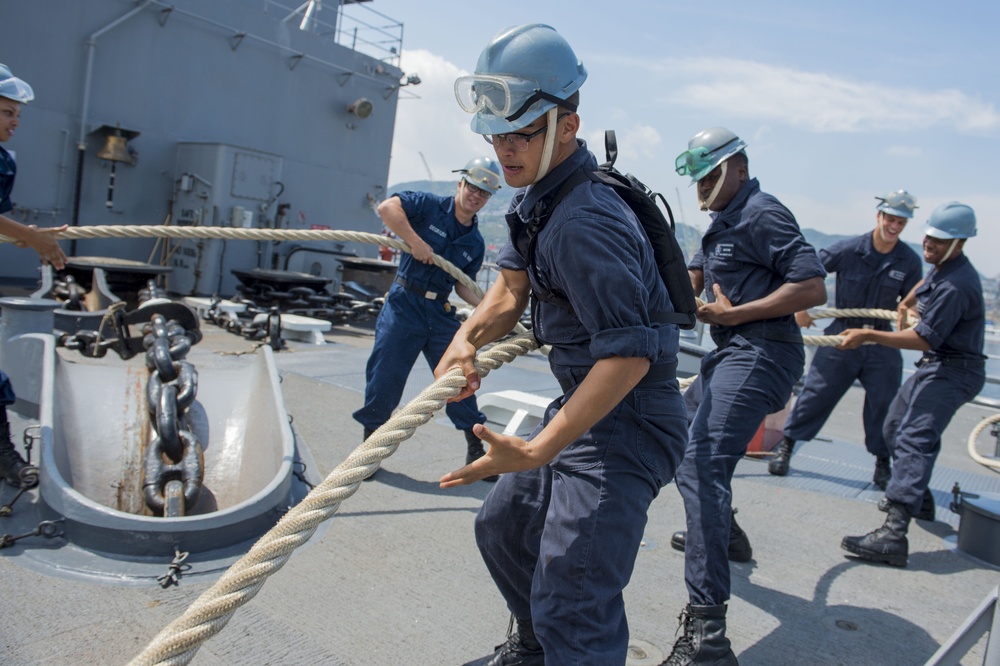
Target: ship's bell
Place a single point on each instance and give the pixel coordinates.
(115, 149)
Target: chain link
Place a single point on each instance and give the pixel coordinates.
(175, 463)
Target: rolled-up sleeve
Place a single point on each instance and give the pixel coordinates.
(510, 259)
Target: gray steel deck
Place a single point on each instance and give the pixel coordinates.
(396, 577)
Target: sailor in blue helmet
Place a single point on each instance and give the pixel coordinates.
(952, 371)
(874, 271)
(756, 270)
(561, 529)
(13, 93)
(417, 317)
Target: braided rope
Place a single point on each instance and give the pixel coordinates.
(992, 463)
(178, 642)
(229, 233)
(869, 313)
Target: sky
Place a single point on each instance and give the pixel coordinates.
(839, 102)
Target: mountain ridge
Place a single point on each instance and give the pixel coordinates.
(493, 226)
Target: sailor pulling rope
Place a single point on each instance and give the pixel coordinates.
(179, 641)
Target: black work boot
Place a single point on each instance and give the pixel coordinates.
(520, 649)
(782, 455)
(927, 510)
(886, 544)
(739, 542)
(13, 467)
(475, 452)
(883, 472)
(704, 641)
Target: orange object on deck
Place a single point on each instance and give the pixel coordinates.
(770, 431)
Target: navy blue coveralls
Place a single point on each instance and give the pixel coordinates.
(416, 316)
(8, 171)
(952, 321)
(866, 278)
(560, 541)
(750, 249)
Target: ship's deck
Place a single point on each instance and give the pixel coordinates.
(396, 577)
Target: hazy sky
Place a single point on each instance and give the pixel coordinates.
(838, 101)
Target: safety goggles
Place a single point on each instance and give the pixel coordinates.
(505, 96)
(483, 179)
(901, 199)
(698, 160)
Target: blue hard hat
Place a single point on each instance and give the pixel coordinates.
(14, 88)
(482, 172)
(899, 203)
(951, 220)
(522, 73)
(706, 150)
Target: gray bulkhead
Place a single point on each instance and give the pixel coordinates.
(231, 115)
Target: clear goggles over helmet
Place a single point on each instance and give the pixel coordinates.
(482, 178)
(505, 96)
(14, 88)
(698, 161)
(900, 203)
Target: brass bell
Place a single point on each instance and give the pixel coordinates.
(115, 149)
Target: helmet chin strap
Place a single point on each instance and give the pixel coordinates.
(705, 204)
(951, 248)
(550, 141)
(881, 231)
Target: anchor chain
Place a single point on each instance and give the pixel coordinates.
(175, 463)
(268, 329)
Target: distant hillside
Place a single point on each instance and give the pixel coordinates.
(820, 240)
(494, 228)
(491, 218)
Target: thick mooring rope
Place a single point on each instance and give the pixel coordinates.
(178, 642)
(992, 463)
(229, 233)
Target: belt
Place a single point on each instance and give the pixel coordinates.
(864, 322)
(429, 295)
(767, 330)
(956, 361)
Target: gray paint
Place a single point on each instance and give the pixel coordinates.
(186, 77)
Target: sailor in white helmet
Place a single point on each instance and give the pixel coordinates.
(13, 93)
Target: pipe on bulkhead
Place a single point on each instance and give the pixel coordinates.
(81, 144)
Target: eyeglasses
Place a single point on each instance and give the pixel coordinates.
(517, 141)
(472, 189)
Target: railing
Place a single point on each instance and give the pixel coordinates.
(352, 24)
(984, 619)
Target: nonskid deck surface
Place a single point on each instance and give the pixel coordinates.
(396, 577)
